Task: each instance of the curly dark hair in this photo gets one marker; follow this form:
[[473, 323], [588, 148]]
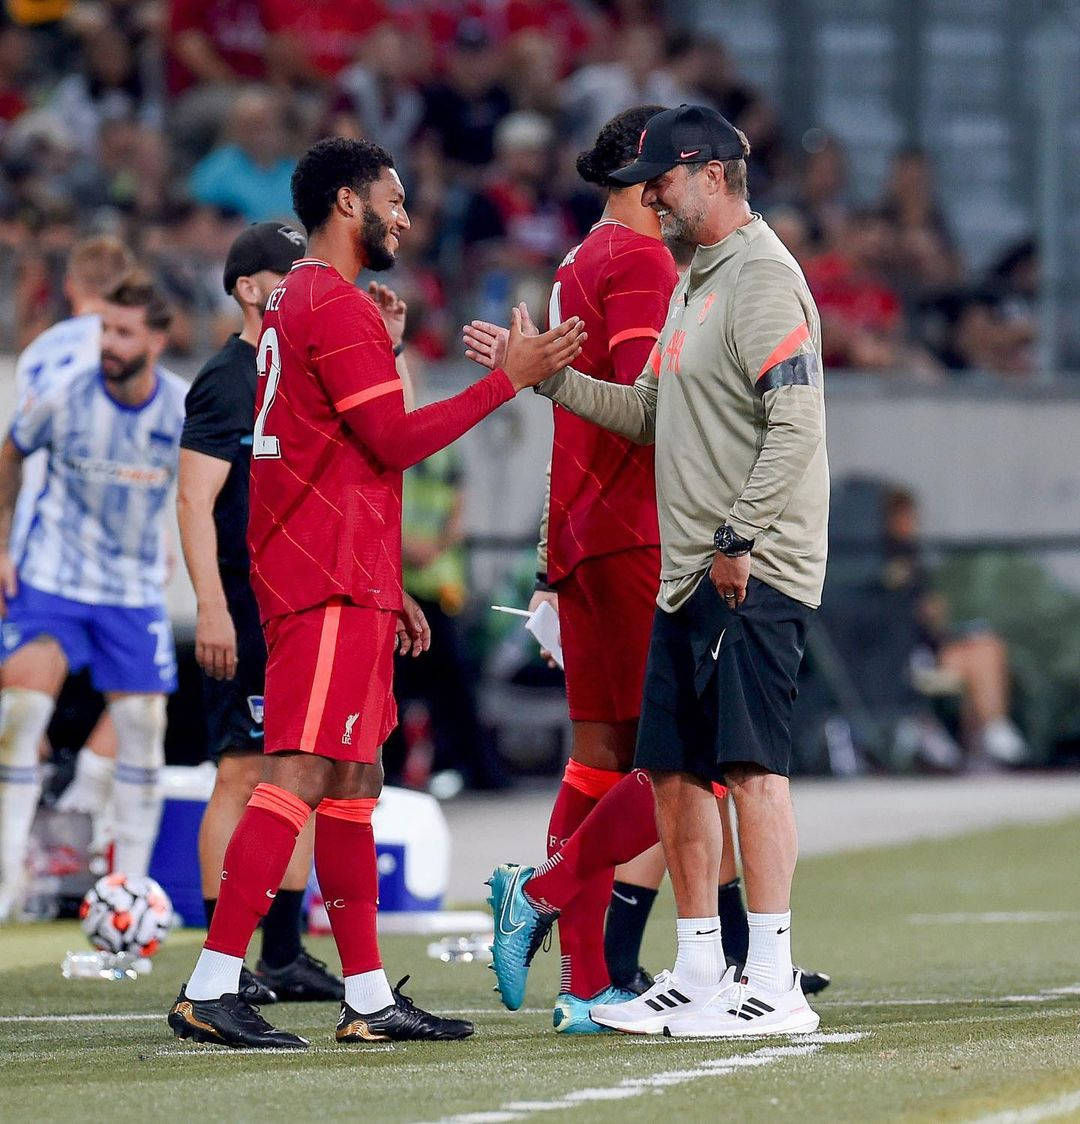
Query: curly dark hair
[[326, 167], [616, 145]]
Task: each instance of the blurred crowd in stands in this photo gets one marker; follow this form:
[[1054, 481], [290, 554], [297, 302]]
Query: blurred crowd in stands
[[175, 122]]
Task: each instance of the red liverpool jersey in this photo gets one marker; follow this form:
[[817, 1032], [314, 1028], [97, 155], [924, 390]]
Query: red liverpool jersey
[[603, 491], [330, 442]]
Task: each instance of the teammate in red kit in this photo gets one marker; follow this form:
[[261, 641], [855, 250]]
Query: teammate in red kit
[[330, 442], [600, 553]]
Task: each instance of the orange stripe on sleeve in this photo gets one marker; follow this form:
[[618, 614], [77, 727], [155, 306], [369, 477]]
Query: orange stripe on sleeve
[[324, 666], [786, 348], [357, 810], [362, 396], [632, 334], [654, 359]]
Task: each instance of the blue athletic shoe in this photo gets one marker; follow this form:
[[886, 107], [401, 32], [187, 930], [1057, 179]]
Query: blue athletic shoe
[[520, 929], [571, 1014]]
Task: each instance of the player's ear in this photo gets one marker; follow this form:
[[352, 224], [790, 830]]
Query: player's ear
[[347, 202]]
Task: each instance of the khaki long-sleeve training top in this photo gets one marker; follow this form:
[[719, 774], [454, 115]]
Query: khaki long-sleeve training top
[[733, 399]]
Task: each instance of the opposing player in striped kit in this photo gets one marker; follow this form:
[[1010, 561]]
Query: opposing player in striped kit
[[87, 587]]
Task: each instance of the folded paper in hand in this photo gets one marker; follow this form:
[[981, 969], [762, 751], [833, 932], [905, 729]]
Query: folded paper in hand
[[544, 625]]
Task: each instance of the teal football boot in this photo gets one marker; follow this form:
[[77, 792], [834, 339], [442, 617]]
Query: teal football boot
[[520, 929], [571, 1015]]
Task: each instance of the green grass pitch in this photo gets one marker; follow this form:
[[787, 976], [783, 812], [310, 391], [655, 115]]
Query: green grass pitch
[[935, 1013]]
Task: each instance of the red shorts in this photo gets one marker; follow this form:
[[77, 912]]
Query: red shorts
[[329, 681], [606, 608]]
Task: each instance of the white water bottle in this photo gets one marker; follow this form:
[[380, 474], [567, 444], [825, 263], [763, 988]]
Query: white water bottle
[[98, 965]]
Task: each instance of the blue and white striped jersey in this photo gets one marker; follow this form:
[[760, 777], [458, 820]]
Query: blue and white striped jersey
[[68, 348], [98, 530]]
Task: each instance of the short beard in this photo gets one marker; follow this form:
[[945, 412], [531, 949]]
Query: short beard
[[126, 370], [373, 236]]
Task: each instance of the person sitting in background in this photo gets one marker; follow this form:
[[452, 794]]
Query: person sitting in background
[[215, 41], [861, 315], [378, 92], [969, 329], [514, 220], [462, 109], [250, 171], [970, 662], [312, 41]]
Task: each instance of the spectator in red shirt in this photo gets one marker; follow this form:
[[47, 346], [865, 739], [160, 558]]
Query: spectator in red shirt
[[860, 314], [560, 21], [312, 41], [215, 41]]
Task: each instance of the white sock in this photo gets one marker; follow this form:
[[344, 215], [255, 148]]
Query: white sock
[[137, 799], [700, 959], [216, 974], [24, 717], [92, 784], [768, 959], [368, 992]]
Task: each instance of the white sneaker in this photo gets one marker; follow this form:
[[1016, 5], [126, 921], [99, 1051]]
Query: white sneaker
[[744, 1012], [647, 1013]]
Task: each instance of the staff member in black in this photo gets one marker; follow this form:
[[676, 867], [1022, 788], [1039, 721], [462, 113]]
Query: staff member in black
[[212, 506]]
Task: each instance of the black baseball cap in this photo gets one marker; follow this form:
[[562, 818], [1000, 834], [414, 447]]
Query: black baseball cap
[[263, 245], [690, 134]]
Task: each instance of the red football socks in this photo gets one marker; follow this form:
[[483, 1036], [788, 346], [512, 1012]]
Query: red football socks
[[620, 827], [255, 863], [581, 924], [349, 880]]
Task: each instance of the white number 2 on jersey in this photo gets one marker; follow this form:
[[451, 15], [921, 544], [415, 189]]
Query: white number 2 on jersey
[[268, 365], [555, 303]]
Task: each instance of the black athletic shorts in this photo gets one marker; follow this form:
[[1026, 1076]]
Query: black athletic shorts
[[234, 707], [720, 683]]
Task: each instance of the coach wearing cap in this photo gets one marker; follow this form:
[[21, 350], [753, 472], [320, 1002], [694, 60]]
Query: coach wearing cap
[[732, 398]]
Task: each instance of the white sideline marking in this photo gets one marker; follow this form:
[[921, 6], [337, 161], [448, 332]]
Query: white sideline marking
[[994, 918], [1060, 1106], [636, 1086], [830, 1037]]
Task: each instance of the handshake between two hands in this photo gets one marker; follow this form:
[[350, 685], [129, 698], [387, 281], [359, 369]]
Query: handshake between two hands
[[522, 351]]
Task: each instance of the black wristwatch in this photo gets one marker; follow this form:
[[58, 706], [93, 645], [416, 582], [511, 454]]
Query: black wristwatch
[[727, 542]]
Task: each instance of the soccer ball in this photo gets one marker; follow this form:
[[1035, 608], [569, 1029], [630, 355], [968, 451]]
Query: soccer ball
[[126, 914]]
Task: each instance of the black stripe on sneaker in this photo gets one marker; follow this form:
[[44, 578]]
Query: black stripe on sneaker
[[678, 995], [654, 1005], [668, 1002], [758, 1006]]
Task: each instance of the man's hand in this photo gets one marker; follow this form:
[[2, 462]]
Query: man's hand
[[485, 343], [730, 576], [552, 598], [215, 641], [531, 359], [9, 582], [413, 631], [392, 308]]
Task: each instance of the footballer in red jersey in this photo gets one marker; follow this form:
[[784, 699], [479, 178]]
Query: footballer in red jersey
[[331, 439]]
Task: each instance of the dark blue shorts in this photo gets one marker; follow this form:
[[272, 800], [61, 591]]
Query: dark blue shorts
[[720, 683], [125, 649], [234, 707]]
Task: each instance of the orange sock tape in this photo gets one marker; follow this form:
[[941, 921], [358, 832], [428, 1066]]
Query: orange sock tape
[[592, 782], [355, 811], [719, 790], [281, 803]]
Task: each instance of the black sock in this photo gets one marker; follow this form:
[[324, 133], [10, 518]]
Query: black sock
[[734, 930], [208, 905], [627, 914], [281, 929]]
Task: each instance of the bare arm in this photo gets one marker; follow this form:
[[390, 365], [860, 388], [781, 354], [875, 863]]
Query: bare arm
[[200, 480], [10, 480], [194, 49]]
